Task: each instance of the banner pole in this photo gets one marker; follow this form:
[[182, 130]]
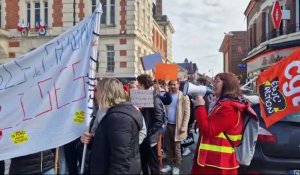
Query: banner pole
[[92, 73], [56, 161]]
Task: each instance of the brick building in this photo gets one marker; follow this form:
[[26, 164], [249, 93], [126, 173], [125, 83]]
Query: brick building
[[234, 49], [129, 30], [267, 45]]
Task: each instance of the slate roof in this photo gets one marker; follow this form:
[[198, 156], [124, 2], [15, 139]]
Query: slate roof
[[186, 66]]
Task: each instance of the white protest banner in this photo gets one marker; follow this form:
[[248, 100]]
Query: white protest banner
[[142, 98], [45, 93]]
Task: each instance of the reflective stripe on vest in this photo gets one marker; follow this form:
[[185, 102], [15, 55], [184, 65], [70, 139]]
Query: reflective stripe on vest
[[231, 137], [216, 148]]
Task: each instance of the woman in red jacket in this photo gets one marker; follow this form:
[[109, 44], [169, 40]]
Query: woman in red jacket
[[214, 154]]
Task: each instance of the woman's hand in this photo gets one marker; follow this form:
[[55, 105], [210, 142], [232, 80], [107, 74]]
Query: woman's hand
[[86, 137], [199, 101]]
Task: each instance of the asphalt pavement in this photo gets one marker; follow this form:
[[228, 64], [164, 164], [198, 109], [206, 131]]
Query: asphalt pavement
[[187, 161]]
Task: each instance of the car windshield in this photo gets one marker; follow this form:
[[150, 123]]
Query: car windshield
[[292, 118]]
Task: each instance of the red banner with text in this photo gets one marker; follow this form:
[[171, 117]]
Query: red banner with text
[[279, 89]]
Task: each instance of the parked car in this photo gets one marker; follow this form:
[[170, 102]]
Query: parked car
[[278, 147]]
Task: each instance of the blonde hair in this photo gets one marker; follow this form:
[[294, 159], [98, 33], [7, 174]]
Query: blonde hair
[[110, 92]]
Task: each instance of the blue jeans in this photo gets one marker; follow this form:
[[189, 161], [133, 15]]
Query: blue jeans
[[51, 171]]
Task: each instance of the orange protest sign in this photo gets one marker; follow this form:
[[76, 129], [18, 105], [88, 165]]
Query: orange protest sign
[[279, 89], [166, 71]]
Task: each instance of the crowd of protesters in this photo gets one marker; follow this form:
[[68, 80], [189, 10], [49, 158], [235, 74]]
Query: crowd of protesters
[[127, 139]]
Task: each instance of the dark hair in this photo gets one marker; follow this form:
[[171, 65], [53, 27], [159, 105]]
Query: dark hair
[[160, 82], [178, 81], [145, 80], [231, 86]]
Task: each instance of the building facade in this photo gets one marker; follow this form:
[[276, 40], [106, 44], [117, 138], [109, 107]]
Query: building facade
[[190, 70], [130, 29], [267, 45], [234, 49]]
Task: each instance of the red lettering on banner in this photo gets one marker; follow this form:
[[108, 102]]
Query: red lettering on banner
[[42, 93], [56, 92]]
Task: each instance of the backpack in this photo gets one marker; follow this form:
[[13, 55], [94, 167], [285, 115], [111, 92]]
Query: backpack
[[245, 150]]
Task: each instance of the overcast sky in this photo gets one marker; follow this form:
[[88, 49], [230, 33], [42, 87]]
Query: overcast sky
[[199, 29]]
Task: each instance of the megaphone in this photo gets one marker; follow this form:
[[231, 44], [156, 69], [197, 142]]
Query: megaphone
[[190, 88]]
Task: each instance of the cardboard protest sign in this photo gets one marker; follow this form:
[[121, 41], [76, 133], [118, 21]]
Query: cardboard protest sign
[[150, 61], [166, 72], [142, 98], [279, 89]]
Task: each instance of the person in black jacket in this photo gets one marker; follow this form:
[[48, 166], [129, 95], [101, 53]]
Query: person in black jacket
[[37, 163], [115, 144], [2, 167], [154, 123]]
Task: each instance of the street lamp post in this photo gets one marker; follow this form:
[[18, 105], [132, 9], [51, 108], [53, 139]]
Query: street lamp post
[[212, 73]]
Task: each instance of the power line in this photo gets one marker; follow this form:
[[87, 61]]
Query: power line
[[207, 56]]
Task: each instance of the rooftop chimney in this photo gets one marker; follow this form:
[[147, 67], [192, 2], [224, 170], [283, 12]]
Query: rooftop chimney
[[158, 7]]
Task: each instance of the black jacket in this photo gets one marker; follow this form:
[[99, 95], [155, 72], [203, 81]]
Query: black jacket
[[154, 119], [166, 98], [36, 163], [2, 167], [115, 148]]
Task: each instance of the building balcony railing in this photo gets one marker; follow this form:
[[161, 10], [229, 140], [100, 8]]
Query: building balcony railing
[[291, 28]]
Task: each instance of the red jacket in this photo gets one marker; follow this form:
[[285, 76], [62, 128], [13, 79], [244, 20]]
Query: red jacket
[[214, 149]]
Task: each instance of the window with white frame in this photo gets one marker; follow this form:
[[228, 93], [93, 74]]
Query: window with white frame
[[46, 12], [108, 12], [104, 11], [110, 58], [112, 12], [37, 12], [28, 16], [95, 3]]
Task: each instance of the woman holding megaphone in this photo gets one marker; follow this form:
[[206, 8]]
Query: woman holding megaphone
[[214, 153]]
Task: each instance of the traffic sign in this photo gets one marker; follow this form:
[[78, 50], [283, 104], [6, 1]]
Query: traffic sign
[[276, 15]]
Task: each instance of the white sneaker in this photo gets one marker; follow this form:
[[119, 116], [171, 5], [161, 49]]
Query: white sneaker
[[166, 169], [186, 151], [175, 171]]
